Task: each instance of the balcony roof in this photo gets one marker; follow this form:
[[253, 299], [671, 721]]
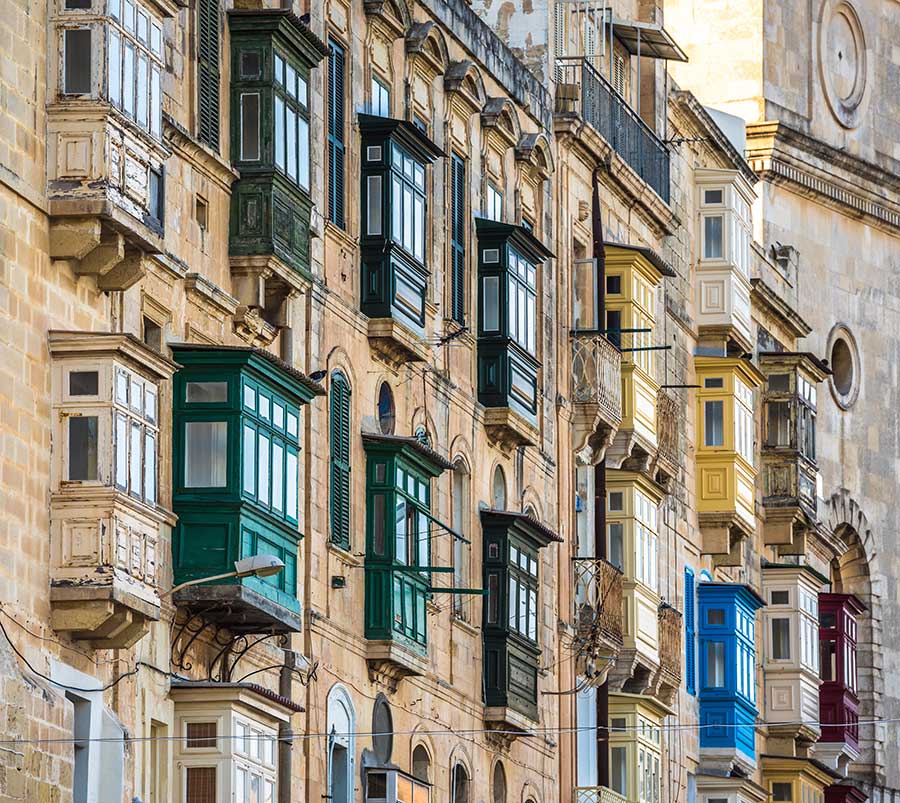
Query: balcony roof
[[531, 525], [253, 688], [649, 254], [413, 447], [647, 39], [404, 132]]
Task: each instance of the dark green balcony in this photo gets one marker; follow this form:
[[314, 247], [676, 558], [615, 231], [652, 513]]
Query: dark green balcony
[[399, 529], [512, 543], [236, 433], [393, 234], [272, 53], [508, 260]]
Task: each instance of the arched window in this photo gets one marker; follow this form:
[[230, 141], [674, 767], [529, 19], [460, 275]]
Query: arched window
[[341, 727], [421, 764], [498, 786], [339, 413], [498, 489], [459, 497], [459, 784], [386, 411]]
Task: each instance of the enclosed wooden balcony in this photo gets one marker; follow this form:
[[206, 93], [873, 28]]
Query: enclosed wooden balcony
[[596, 393]]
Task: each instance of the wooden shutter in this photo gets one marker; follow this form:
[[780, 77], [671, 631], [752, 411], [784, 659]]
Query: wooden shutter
[[690, 648], [458, 239], [336, 154], [340, 461], [208, 72], [200, 786]]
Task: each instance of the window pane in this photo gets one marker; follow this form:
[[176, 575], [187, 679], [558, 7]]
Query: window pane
[[828, 660], [121, 446], [155, 104], [378, 524], [84, 383], [778, 424], [303, 144], [250, 127], [205, 454], [83, 434], [781, 639], [512, 604], [249, 461], [143, 89], [134, 461], [715, 664], [712, 237], [713, 426], [78, 61], [616, 546], [150, 467], [373, 207], [277, 477], [396, 210], [263, 463], [206, 392], [491, 295], [419, 222], [291, 123], [290, 507], [128, 78], [279, 133], [619, 770], [114, 88]]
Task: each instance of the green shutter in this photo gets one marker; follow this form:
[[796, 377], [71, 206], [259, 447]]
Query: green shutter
[[208, 19], [340, 461], [336, 90], [458, 239]]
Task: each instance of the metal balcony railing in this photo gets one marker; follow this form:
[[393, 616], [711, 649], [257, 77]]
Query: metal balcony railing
[[598, 600], [596, 794], [667, 427], [609, 113], [597, 374], [670, 640]]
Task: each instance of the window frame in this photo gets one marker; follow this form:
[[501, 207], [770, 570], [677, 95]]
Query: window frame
[[291, 104]]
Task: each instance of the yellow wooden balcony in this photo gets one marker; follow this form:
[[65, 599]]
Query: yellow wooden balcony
[[726, 460]]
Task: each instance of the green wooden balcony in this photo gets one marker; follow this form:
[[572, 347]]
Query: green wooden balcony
[[236, 478]]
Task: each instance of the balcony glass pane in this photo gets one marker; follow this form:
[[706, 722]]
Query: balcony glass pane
[[713, 423], [205, 454], [491, 296], [303, 148], [778, 424], [249, 461], [250, 127], [715, 664], [781, 639], [77, 79], [373, 209], [83, 436], [290, 506], [150, 468], [206, 392], [712, 237], [279, 133], [135, 467], [277, 477], [128, 79], [264, 489], [618, 770], [143, 89], [114, 87], [121, 447]]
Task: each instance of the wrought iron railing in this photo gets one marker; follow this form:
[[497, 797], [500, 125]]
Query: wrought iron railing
[[609, 113], [598, 600], [670, 640], [597, 374], [597, 794], [667, 427]]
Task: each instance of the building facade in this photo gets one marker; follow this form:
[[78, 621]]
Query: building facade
[[445, 401]]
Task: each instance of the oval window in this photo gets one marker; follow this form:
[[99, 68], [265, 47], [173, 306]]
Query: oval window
[[386, 414]]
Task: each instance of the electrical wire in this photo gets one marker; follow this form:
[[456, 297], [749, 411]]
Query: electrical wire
[[451, 732]]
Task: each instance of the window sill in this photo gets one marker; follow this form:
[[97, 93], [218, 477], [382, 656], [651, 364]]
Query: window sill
[[466, 627], [346, 557]]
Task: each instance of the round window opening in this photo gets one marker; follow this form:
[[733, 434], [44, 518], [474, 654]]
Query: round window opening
[[844, 363], [386, 417], [842, 367]]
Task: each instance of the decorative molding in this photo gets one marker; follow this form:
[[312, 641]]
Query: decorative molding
[[199, 155], [203, 291], [766, 298], [830, 176]]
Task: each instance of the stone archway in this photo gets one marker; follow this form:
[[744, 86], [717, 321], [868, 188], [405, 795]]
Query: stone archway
[[853, 573]]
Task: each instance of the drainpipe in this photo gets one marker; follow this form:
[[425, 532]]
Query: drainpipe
[[599, 253], [285, 733]]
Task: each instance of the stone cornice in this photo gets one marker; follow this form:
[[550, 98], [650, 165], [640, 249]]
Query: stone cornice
[[860, 189], [199, 155], [574, 133], [766, 298], [206, 292], [702, 122]]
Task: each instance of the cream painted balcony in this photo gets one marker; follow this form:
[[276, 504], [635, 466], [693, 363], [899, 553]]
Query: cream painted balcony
[[105, 150], [108, 524]]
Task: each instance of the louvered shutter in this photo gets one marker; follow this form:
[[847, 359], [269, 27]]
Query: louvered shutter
[[340, 461], [690, 647], [458, 239], [208, 72], [336, 89]]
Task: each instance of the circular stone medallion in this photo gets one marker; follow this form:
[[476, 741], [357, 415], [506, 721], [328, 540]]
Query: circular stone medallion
[[843, 62]]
